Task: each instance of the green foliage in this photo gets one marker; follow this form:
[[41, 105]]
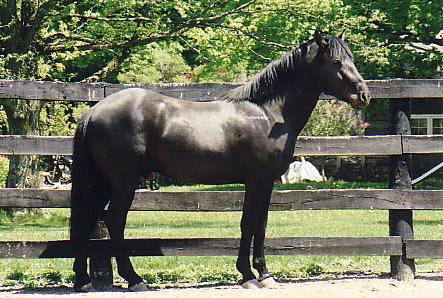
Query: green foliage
[[333, 118], [4, 168], [220, 40], [313, 269], [386, 31], [52, 276], [5, 216], [34, 280], [60, 119], [153, 64], [16, 275]]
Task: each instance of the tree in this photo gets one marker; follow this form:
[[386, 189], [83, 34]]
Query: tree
[[84, 40]]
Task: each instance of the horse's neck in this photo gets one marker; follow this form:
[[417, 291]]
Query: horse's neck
[[296, 106]]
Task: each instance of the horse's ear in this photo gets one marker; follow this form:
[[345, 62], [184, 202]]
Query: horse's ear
[[319, 40], [342, 35]]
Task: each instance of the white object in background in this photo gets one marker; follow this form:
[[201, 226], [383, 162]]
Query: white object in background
[[425, 175], [301, 170]]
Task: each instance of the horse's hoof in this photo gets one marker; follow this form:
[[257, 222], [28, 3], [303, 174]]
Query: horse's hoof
[[140, 287], [252, 284], [84, 288], [269, 283]]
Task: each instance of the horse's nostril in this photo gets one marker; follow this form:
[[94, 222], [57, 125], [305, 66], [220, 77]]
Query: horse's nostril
[[364, 97]]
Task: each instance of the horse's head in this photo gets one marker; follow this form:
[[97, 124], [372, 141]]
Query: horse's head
[[336, 73]]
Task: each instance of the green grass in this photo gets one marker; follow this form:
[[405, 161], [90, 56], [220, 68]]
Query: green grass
[[170, 271], [430, 184], [339, 184]]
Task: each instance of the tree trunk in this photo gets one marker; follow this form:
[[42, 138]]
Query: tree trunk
[[23, 119]]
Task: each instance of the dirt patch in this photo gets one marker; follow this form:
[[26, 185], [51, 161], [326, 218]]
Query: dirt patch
[[428, 285]]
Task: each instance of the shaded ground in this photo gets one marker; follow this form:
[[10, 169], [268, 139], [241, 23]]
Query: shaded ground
[[427, 285]]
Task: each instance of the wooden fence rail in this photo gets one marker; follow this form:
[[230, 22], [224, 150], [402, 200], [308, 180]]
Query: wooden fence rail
[[342, 246], [323, 199], [416, 89], [399, 201], [306, 146]]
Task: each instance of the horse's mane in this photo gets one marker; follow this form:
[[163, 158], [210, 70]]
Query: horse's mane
[[271, 81]]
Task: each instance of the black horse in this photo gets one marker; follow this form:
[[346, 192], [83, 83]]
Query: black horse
[[247, 137]]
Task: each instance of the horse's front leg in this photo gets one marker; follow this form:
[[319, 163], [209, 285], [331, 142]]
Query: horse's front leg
[[258, 260], [256, 194]]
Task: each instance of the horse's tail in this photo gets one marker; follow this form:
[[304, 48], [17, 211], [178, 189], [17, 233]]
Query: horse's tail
[[83, 176]]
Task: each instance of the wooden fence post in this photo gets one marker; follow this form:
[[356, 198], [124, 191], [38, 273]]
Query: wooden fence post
[[101, 268], [400, 221]]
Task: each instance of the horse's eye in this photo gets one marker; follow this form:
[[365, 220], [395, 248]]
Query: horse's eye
[[338, 63]]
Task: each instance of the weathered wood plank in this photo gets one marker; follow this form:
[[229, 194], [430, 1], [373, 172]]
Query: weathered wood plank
[[406, 88], [349, 145], [306, 146], [398, 88], [419, 249], [35, 198], [51, 90], [38, 145], [340, 199], [341, 246], [191, 92], [422, 144]]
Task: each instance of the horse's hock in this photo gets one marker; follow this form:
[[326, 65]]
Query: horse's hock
[[401, 200]]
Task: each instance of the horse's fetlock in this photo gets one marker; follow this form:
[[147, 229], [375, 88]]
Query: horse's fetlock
[[258, 263]]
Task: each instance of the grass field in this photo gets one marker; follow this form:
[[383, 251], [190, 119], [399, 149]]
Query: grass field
[[53, 224]]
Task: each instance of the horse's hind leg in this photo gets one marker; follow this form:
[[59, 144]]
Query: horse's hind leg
[[91, 210], [121, 199]]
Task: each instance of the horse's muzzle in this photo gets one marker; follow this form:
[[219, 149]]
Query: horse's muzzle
[[361, 98], [364, 97]]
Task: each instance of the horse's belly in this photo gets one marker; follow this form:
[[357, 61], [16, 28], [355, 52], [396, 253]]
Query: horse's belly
[[191, 164], [201, 171]]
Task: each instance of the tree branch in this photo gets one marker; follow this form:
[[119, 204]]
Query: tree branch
[[103, 73], [109, 46], [245, 32], [404, 35], [259, 55], [193, 48], [110, 19], [208, 19]]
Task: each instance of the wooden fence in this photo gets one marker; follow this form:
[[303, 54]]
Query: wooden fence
[[400, 202]]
